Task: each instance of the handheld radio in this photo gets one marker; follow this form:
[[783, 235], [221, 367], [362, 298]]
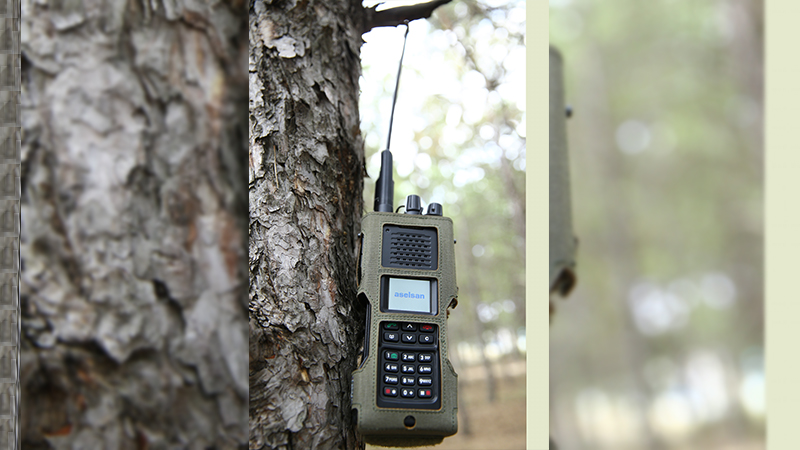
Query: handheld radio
[[405, 390]]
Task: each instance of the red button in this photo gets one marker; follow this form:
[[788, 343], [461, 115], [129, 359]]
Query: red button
[[427, 328]]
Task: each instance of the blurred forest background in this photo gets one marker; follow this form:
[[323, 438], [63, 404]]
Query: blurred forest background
[[661, 345], [459, 139]]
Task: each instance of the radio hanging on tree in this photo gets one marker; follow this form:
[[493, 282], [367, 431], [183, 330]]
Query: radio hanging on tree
[[405, 389]]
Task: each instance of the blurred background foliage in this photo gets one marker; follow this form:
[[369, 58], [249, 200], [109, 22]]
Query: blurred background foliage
[[661, 344], [459, 139]]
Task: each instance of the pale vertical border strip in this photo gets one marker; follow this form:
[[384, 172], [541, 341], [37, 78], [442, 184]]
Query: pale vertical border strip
[[536, 194], [782, 237]]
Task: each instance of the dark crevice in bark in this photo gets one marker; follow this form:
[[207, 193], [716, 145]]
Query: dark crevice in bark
[[173, 306]]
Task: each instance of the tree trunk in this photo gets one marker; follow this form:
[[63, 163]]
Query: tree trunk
[[306, 182], [133, 277]]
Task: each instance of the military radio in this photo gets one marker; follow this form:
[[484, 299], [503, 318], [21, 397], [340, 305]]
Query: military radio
[[405, 389]]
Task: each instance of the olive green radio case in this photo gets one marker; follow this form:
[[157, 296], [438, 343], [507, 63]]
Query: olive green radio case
[[405, 254]]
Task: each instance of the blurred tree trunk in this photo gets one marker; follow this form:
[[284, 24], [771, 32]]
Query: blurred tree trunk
[[746, 260], [476, 298], [619, 242], [133, 278], [306, 182]]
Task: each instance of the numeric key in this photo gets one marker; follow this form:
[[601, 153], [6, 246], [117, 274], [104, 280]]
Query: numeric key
[[390, 391]]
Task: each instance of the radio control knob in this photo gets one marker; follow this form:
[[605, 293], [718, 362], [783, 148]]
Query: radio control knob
[[434, 209], [413, 205]]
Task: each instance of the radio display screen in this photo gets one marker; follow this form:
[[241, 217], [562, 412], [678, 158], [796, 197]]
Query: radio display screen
[[409, 295]]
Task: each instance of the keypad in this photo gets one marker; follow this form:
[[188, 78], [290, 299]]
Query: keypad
[[409, 359]]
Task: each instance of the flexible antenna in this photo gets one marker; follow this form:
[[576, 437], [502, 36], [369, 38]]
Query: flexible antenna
[[397, 87], [384, 187]]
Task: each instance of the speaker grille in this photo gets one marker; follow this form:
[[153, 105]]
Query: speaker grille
[[409, 248]]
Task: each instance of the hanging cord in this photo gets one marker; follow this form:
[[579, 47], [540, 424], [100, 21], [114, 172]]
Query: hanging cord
[[397, 86]]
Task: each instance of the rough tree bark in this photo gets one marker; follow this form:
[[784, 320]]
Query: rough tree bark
[[133, 278], [306, 181]]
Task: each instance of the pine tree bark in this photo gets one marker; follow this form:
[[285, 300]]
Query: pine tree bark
[[133, 242], [306, 182]]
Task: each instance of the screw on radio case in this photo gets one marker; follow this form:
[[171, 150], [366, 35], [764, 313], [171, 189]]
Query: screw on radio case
[[405, 390]]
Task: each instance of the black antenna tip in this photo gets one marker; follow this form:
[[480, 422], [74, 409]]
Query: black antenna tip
[[384, 187]]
